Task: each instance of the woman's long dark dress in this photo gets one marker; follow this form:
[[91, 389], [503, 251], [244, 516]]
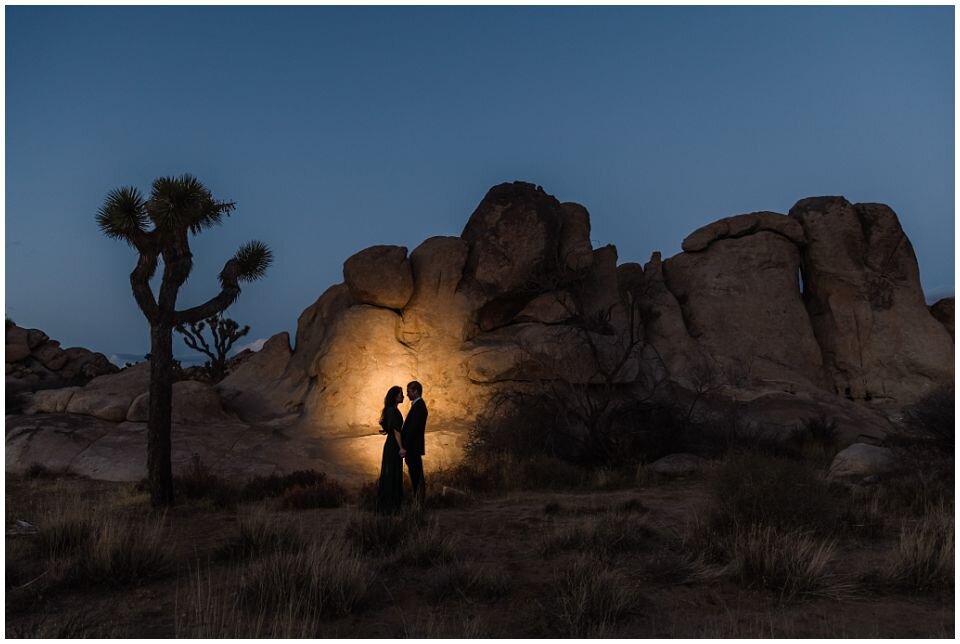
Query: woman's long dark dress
[[390, 488]]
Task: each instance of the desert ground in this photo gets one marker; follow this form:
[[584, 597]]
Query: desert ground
[[751, 544]]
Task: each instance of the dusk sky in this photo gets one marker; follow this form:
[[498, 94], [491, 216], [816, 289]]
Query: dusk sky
[[335, 129]]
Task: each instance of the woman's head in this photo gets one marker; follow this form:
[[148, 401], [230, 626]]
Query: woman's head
[[394, 397]]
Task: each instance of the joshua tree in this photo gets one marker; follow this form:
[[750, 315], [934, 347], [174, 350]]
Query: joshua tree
[[225, 333], [159, 228]]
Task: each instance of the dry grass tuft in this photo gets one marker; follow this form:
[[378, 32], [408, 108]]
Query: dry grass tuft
[[259, 533], [605, 535], [325, 579], [924, 559], [468, 580], [788, 563], [79, 542], [591, 598]]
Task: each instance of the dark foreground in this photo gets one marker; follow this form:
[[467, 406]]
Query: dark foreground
[[616, 558]]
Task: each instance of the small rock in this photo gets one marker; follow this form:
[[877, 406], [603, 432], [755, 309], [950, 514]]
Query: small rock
[[860, 461], [676, 464]]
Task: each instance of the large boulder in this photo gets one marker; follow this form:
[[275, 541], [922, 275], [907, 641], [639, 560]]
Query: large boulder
[[434, 325], [380, 276], [860, 462], [193, 402], [598, 292], [514, 237], [576, 250], [862, 290], [259, 389], [738, 287], [109, 397], [359, 361]]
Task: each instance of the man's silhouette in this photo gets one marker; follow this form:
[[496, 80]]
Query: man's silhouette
[[412, 436]]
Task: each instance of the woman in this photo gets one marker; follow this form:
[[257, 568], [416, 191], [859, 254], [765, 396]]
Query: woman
[[390, 487]]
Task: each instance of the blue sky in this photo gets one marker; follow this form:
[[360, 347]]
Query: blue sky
[[335, 129]]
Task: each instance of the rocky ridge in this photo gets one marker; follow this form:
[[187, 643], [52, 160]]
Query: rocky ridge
[[789, 314]]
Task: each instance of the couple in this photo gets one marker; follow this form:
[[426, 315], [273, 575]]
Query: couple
[[404, 441]]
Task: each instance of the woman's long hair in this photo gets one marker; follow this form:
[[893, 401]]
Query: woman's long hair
[[389, 401]]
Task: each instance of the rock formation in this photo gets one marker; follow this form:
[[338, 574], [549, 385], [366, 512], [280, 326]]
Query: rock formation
[[34, 361], [862, 291], [788, 315]]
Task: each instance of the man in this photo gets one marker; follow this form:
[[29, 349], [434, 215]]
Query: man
[[412, 437]]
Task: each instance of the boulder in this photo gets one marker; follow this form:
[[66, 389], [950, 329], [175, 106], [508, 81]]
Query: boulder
[[598, 293], [18, 347], [514, 238], [109, 397], [663, 324], [861, 461], [313, 326], [259, 389], [576, 250], [193, 402], [741, 226], [51, 355], [434, 325], [550, 308], [359, 361], [51, 401], [437, 309], [380, 276], [676, 465], [740, 297], [942, 311], [862, 291]]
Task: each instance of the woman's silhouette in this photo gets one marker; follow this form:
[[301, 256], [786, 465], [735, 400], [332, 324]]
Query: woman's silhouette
[[390, 487]]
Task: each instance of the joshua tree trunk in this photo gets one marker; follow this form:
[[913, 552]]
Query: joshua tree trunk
[[178, 206], [159, 466]]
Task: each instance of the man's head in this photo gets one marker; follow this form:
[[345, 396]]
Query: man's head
[[414, 390]]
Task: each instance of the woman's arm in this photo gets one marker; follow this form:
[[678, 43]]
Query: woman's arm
[[397, 426]]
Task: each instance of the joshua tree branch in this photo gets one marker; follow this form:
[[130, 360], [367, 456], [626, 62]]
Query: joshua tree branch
[[193, 338], [228, 294]]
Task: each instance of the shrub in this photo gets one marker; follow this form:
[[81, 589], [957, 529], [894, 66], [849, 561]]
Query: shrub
[[591, 598], [38, 471], [929, 423], [259, 488], [381, 535], [199, 482], [924, 559], [324, 494], [754, 489]]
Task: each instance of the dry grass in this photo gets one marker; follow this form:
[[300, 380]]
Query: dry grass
[[258, 533], [326, 579], [430, 625], [606, 535], [787, 563], [378, 535], [592, 598], [468, 581], [924, 559], [78, 542]]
